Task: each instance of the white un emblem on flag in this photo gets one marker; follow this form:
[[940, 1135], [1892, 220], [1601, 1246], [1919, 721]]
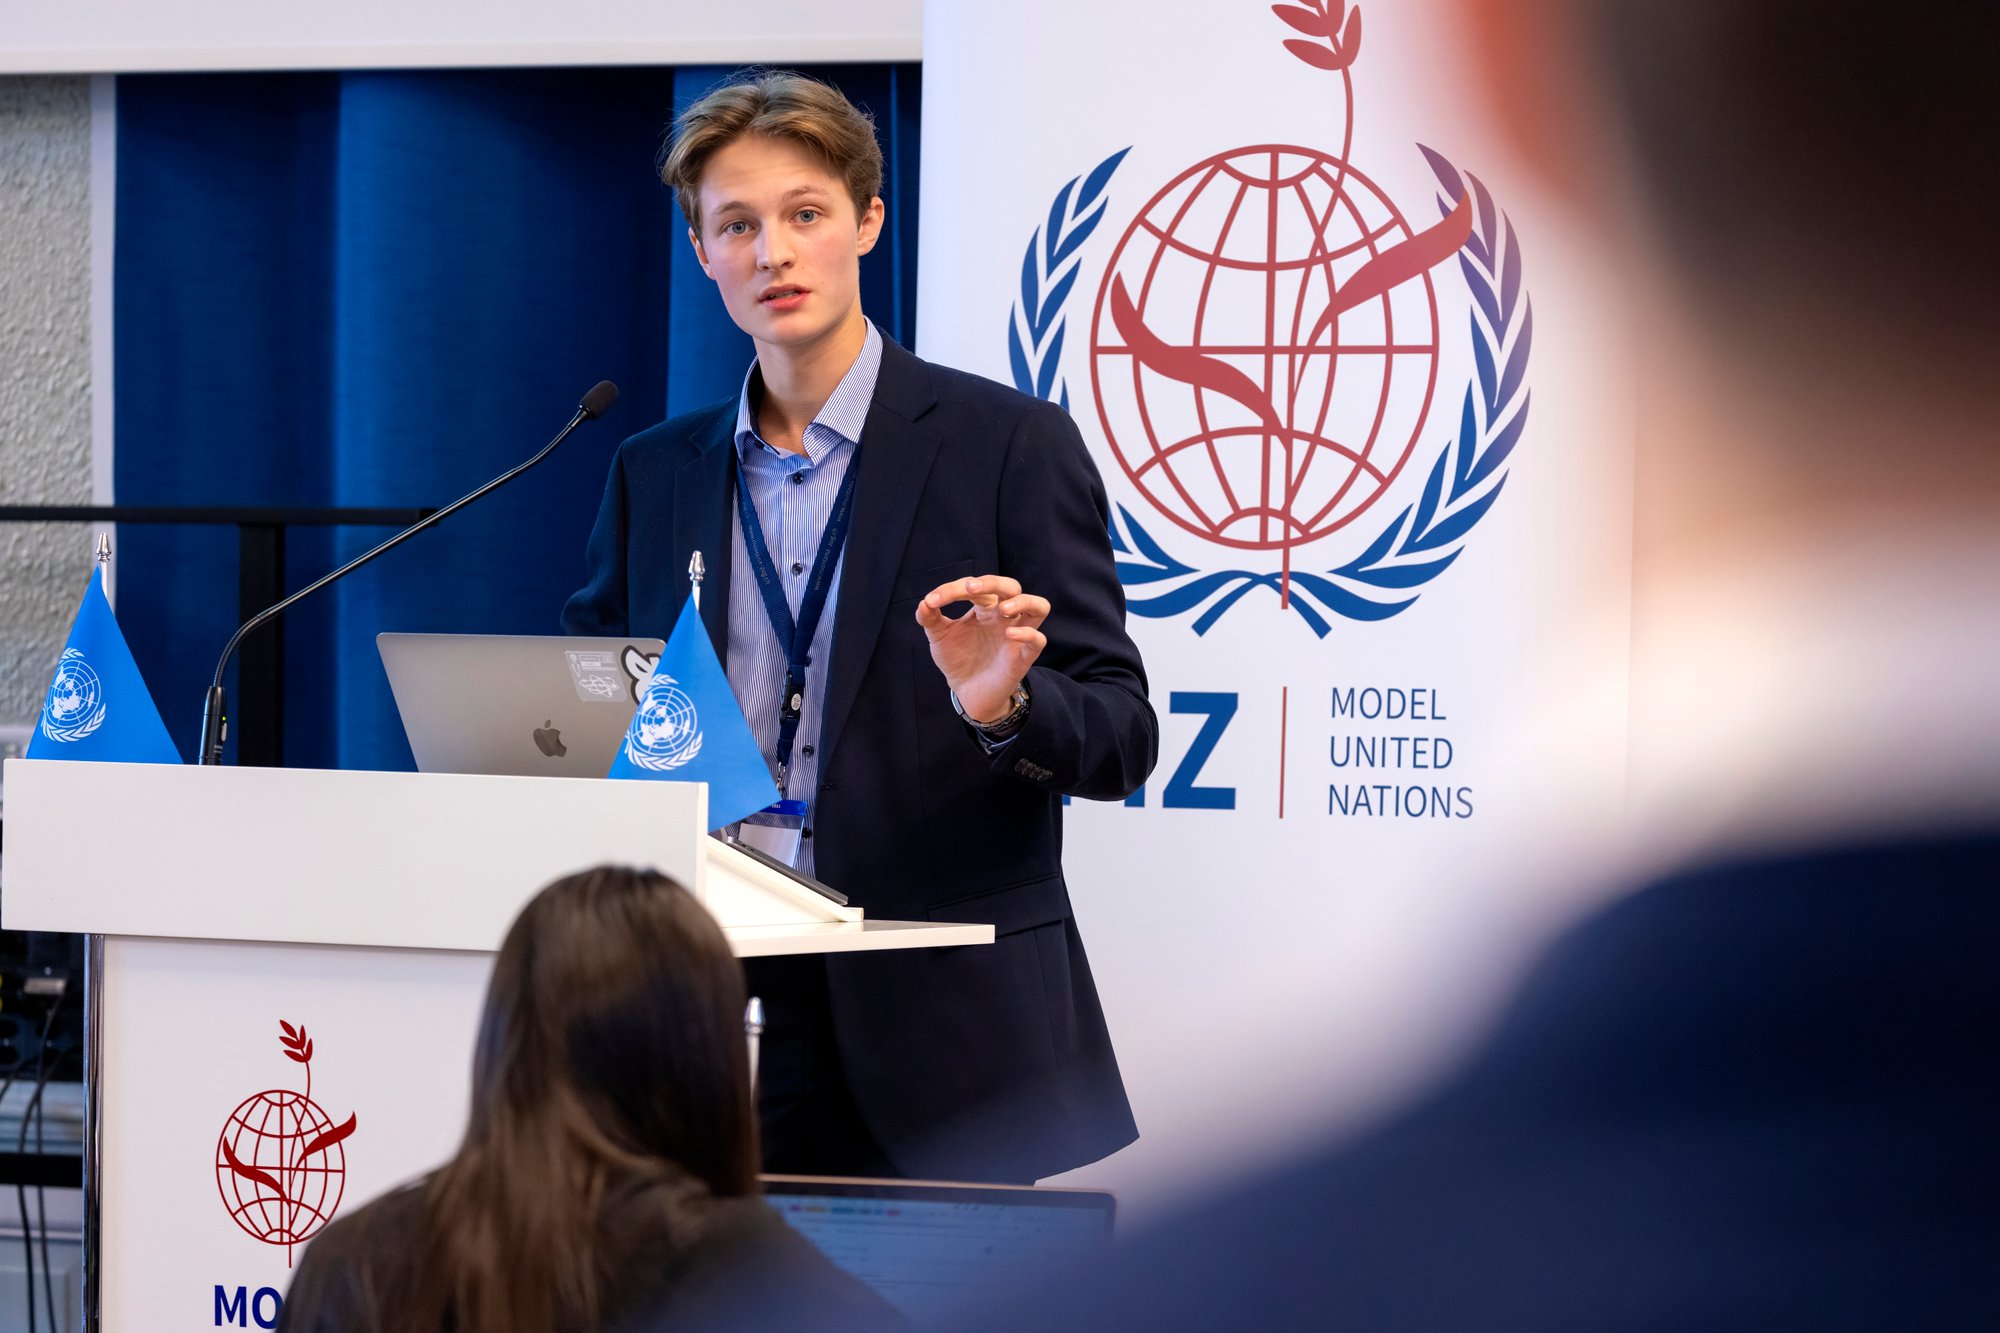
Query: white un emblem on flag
[[75, 706], [667, 733]]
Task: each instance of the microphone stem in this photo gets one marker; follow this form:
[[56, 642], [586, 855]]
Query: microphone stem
[[214, 711]]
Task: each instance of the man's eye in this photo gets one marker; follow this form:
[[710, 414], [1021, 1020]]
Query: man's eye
[[736, 228], [808, 214]]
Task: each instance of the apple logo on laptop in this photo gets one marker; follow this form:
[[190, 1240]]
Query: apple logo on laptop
[[548, 739]]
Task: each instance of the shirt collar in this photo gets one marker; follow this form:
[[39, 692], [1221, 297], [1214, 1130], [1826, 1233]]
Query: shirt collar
[[840, 419]]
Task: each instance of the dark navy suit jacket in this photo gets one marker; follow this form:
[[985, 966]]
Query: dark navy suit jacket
[[985, 1061], [1759, 1096]]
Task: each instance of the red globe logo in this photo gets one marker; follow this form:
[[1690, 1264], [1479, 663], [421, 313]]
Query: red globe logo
[[1264, 347], [280, 1163]]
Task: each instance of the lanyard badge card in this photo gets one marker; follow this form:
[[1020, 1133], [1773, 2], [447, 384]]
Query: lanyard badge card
[[778, 829]]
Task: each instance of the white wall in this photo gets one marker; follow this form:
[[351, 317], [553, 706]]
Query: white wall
[[132, 35], [45, 373]]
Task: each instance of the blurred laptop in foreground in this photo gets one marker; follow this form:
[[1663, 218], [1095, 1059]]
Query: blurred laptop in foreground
[[932, 1250]]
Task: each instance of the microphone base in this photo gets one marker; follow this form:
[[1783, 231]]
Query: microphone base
[[214, 725]]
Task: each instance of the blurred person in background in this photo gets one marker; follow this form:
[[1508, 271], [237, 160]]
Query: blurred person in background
[[1761, 1091], [610, 1162]]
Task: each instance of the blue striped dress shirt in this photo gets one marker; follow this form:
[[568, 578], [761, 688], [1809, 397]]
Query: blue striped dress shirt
[[793, 495]]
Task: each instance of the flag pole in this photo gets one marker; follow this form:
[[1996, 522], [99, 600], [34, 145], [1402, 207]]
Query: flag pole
[[93, 1076], [697, 571]]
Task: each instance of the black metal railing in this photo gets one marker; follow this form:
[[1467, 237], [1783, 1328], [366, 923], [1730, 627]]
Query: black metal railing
[[260, 582]]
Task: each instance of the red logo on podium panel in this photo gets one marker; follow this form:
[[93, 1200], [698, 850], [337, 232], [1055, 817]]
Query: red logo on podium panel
[[280, 1161]]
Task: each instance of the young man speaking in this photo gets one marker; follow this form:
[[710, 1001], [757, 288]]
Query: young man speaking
[[848, 501]]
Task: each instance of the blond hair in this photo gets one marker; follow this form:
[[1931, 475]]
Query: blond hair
[[780, 105]]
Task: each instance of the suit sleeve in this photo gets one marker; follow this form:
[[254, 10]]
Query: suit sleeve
[[1090, 731], [600, 607]]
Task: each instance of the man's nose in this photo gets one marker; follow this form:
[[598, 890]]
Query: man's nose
[[774, 251]]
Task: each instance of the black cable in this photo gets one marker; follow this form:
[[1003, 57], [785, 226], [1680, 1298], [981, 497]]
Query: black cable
[[42, 1077], [42, 1189], [7, 1086], [20, 1189]]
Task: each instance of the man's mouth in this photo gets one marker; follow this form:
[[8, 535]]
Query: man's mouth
[[779, 294]]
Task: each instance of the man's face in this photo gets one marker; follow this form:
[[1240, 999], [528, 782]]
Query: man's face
[[780, 237]]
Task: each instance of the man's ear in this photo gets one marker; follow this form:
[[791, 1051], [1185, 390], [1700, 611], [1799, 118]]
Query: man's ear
[[700, 254], [871, 226]]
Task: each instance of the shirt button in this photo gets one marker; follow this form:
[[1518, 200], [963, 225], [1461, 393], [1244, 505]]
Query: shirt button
[[807, 751], [798, 478], [807, 833], [798, 568]]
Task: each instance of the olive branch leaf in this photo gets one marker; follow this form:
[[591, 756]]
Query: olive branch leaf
[[327, 1138], [1423, 540], [256, 1173], [1339, 32], [1048, 272]]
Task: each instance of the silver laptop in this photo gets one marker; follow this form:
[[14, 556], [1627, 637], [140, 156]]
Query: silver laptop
[[529, 705]]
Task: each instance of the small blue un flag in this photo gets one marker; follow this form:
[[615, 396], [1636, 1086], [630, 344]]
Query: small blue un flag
[[97, 706], [690, 729]]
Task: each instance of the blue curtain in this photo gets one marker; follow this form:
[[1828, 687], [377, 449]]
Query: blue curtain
[[379, 289]]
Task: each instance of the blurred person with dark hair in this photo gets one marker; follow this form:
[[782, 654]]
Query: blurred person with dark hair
[[1762, 1091], [610, 1162]]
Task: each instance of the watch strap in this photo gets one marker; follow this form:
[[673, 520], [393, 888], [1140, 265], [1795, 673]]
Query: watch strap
[[1002, 728]]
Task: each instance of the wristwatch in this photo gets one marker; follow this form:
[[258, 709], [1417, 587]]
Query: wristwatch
[[1004, 728]]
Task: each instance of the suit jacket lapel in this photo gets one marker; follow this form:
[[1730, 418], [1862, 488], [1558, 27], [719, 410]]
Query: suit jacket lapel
[[895, 457], [704, 493]]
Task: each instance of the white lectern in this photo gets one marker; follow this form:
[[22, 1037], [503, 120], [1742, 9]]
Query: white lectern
[[285, 973]]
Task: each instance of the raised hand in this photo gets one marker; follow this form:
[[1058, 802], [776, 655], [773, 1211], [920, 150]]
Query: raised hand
[[985, 652]]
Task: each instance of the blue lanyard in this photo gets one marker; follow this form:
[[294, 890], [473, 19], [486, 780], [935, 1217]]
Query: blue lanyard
[[795, 638]]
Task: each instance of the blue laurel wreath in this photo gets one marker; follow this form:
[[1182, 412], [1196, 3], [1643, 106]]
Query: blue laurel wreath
[[1418, 544], [1048, 271]]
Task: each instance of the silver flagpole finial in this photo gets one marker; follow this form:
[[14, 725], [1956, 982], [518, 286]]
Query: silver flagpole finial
[[753, 1032], [697, 571], [103, 548]]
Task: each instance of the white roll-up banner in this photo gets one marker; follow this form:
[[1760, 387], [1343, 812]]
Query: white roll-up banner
[[1368, 454]]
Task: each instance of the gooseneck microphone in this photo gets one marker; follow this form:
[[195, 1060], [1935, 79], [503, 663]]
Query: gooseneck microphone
[[213, 714]]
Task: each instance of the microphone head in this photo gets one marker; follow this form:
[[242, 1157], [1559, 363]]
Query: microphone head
[[600, 398]]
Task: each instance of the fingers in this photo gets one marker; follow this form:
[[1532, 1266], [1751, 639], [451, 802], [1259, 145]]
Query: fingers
[[1027, 609], [958, 590], [982, 590], [1027, 645], [987, 592], [932, 618], [991, 589]]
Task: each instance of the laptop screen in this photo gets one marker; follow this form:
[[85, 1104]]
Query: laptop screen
[[931, 1249]]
